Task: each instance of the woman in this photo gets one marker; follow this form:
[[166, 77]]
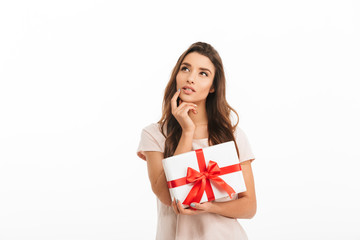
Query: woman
[[196, 115]]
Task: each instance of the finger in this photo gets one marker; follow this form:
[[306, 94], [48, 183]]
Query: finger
[[184, 105], [176, 207], [195, 205], [182, 210], [201, 207], [177, 202], [173, 100], [173, 204], [189, 211], [186, 109]]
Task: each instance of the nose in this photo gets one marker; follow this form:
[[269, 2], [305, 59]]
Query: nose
[[191, 78]]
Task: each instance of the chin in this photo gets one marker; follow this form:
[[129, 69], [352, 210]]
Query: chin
[[191, 99], [186, 98]]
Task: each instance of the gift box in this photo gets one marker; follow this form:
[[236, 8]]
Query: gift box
[[204, 174]]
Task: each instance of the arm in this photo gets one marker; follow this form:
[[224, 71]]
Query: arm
[[157, 176], [244, 207], [156, 172], [154, 159]]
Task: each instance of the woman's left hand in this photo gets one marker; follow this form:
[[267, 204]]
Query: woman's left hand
[[200, 208]]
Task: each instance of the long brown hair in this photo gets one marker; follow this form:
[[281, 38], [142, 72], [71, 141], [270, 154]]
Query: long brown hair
[[218, 110]]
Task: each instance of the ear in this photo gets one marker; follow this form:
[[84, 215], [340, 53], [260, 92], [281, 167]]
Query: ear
[[212, 89]]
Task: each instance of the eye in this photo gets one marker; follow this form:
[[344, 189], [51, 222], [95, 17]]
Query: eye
[[184, 69], [204, 74]]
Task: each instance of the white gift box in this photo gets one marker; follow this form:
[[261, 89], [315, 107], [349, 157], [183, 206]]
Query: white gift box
[[225, 155]]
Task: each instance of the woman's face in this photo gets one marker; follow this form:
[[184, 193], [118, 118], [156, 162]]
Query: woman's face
[[195, 78]]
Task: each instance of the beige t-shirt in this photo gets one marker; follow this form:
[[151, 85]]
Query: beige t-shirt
[[205, 226]]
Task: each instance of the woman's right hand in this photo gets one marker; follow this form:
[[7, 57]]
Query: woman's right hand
[[181, 113]]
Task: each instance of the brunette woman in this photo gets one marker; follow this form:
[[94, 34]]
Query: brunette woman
[[195, 114]]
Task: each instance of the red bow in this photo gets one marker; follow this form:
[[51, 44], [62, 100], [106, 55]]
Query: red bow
[[202, 183]]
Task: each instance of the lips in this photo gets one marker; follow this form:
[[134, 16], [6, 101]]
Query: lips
[[189, 89]]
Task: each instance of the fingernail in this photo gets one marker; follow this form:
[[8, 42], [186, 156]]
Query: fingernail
[[192, 204], [179, 90]]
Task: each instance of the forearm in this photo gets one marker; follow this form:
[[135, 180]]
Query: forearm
[[161, 189], [157, 174], [185, 143], [244, 207]]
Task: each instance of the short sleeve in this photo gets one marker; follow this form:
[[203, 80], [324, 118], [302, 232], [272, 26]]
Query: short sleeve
[[151, 140], [244, 146]]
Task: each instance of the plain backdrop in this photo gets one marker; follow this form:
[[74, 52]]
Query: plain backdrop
[[80, 79]]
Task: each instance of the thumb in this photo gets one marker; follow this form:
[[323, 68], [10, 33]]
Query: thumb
[[195, 205]]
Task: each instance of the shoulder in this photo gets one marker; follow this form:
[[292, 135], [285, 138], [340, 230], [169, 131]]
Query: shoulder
[[151, 139], [152, 132], [239, 132], [154, 129], [243, 144]]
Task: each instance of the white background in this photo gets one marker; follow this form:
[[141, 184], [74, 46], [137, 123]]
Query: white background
[[80, 79]]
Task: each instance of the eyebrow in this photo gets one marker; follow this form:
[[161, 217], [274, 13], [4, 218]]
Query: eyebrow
[[188, 64]]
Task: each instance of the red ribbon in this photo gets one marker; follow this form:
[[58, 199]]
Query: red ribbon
[[202, 179]]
